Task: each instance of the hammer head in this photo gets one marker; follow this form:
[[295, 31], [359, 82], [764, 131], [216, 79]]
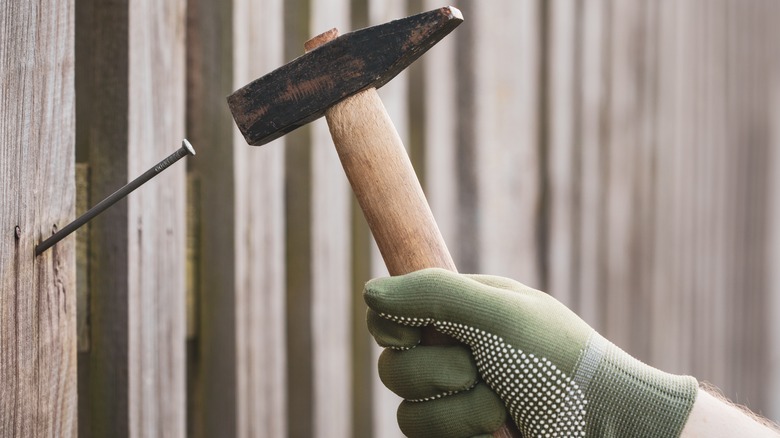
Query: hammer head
[[303, 89]]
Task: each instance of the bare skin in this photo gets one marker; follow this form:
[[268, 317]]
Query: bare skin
[[714, 417]]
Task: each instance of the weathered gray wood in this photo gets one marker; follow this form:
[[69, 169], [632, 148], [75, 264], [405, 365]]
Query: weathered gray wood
[[156, 312], [37, 193], [259, 234], [439, 88], [668, 182], [298, 244], [588, 155], [562, 43], [622, 143], [773, 253], [212, 357], [364, 373], [331, 263], [135, 370], [506, 87]]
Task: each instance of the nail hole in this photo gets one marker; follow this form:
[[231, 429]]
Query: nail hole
[[54, 228], [17, 232]]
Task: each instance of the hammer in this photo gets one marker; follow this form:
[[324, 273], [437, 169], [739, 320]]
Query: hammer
[[338, 78]]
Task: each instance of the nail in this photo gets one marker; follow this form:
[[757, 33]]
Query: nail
[[185, 149]]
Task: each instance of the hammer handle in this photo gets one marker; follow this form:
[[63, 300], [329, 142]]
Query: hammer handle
[[390, 195], [384, 182]]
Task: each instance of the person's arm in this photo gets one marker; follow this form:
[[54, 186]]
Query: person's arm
[[712, 416]]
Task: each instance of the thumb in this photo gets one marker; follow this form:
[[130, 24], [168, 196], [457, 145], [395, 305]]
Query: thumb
[[430, 295]]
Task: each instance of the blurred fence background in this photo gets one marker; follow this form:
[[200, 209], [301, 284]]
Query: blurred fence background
[[622, 155]]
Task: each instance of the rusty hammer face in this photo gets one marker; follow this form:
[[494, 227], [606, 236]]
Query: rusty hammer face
[[339, 79]]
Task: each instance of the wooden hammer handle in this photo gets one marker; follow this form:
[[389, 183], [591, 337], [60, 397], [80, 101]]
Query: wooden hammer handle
[[388, 191], [382, 177]]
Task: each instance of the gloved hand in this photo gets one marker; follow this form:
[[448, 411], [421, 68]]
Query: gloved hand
[[554, 374]]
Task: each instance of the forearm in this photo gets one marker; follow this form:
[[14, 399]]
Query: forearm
[[713, 417]]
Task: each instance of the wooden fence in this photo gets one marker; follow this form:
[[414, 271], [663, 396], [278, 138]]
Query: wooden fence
[[622, 155]]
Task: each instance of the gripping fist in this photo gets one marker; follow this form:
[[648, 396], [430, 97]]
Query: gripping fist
[[523, 353]]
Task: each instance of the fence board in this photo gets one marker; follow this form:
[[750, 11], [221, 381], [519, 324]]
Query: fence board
[[587, 159], [563, 196], [506, 118], [135, 367], [213, 285], [440, 106], [156, 305], [259, 236], [773, 249], [331, 261], [298, 217], [37, 192], [238, 361]]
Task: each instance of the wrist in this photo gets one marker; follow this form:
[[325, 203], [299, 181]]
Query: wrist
[[627, 397], [713, 416]]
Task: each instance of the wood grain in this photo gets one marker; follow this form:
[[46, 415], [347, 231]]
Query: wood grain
[[37, 194], [331, 265], [259, 235], [668, 144], [134, 374], [507, 163], [387, 189], [212, 352]]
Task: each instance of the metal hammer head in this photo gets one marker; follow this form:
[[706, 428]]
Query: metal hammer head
[[302, 90]]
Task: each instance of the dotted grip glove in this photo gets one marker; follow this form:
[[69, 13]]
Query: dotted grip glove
[[525, 353]]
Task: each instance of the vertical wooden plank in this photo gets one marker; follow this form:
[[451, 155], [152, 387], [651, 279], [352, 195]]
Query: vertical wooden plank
[[364, 371], [439, 140], [103, 372], [561, 129], [298, 254], [259, 237], [467, 144], [37, 192], [709, 357], [621, 143], [506, 118], [773, 249], [156, 308], [212, 351], [642, 198], [588, 156], [134, 372], [749, 139], [331, 262]]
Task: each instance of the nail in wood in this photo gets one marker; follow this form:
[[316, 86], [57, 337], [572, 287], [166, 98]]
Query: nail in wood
[[186, 149]]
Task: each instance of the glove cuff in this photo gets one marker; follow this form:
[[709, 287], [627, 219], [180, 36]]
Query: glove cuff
[[634, 399]]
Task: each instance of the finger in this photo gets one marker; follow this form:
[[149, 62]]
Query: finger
[[467, 414], [427, 373], [439, 295], [390, 334]]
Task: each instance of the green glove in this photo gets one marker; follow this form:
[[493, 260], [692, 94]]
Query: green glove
[[555, 375]]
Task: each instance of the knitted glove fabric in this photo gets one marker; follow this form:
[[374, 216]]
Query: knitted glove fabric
[[554, 374]]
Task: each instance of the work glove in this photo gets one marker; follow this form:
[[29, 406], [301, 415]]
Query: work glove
[[523, 352]]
